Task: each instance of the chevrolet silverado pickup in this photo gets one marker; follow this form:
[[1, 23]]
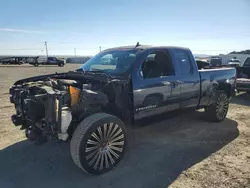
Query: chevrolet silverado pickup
[[93, 105]]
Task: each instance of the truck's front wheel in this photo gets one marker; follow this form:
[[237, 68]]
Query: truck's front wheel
[[98, 143], [218, 110]]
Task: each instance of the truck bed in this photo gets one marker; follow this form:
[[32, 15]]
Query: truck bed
[[211, 77], [243, 84]]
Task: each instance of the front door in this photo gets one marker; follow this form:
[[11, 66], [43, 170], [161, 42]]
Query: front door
[[52, 61], [155, 88]]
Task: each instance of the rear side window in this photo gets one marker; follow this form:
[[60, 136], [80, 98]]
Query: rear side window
[[183, 61], [157, 64]]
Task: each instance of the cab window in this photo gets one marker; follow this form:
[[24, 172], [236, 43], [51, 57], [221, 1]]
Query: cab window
[[183, 61], [157, 64]]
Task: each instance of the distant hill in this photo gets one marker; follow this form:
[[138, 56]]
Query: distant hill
[[241, 52], [201, 55]]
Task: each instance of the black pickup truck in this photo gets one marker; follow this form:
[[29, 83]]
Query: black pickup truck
[[48, 61], [93, 106], [243, 76]]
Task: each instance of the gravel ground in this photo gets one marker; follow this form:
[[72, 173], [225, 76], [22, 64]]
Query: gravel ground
[[178, 150]]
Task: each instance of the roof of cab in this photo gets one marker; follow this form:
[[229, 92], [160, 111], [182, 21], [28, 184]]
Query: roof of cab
[[145, 47]]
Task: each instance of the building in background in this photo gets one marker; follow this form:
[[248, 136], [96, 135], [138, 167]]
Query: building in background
[[80, 60], [225, 58]]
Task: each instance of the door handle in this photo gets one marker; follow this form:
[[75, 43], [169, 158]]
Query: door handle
[[173, 84], [179, 82], [166, 83], [176, 83]]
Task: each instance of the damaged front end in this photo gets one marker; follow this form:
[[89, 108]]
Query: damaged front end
[[49, 107], [42, 109]]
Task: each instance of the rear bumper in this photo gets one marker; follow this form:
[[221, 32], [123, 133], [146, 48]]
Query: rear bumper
[[243, 86], [243, 89]]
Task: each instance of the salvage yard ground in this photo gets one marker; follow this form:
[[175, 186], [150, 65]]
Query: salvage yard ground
[[181, 150]]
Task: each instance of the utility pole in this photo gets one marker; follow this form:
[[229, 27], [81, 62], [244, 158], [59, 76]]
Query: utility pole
[[100, 48], [75, 52], [46, 48]]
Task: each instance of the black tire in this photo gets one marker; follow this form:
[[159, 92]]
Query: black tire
[[218, 111], [36, 64], [61, 65], [98, 143]]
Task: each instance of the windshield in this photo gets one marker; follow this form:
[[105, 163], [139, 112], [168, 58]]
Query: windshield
[[111, 61]]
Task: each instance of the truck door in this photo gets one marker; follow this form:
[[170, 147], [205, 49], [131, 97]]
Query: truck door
[[52, 61], [188, 77], [155, 88]]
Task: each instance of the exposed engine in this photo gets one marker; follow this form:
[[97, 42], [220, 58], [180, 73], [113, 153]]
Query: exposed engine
[[48, 108]]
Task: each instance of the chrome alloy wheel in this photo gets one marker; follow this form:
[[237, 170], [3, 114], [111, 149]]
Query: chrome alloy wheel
[[104, 147], [222, 106]]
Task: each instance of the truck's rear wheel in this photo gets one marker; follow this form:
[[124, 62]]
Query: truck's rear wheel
[[218, 110], [98, 143]]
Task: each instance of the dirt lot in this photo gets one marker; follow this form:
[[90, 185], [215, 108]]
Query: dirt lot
[[181, 150]]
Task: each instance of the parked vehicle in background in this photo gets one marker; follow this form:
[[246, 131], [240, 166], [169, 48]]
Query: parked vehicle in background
[[31, 60], [202, 64], [243, 76], [216, 61], [234, 62], [12, 61], [93, 105], [48, 61], [78, 59]]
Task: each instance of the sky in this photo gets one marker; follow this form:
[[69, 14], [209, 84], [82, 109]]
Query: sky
[[82, 26]]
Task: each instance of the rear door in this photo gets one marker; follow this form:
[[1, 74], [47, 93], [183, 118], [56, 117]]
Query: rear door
[[154, 85], [188, 77]]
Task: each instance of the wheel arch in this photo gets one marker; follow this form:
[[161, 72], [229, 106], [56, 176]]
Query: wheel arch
[[226, 87]]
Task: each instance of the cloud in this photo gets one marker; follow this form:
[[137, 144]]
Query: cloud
[[20, 31]]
